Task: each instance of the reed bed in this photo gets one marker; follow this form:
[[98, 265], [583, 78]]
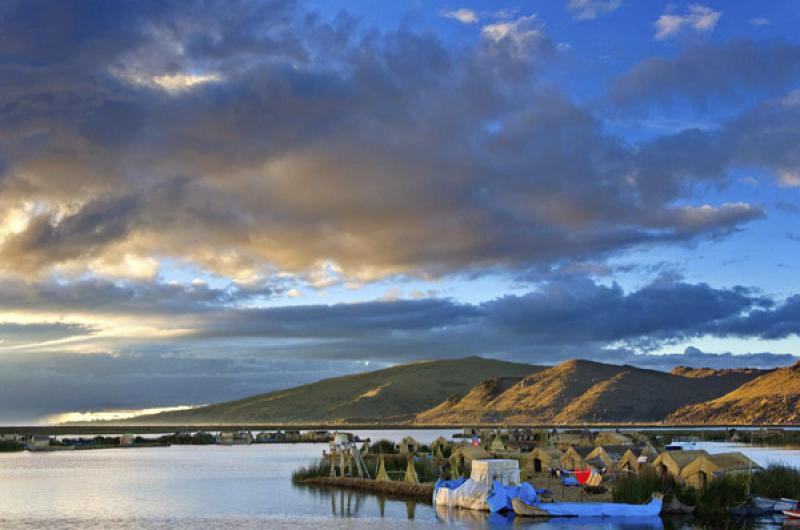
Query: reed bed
[[394, 489]]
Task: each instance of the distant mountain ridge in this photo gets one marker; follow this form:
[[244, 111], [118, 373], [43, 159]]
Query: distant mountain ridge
[[582, 391], [393, 394], [475, 390]]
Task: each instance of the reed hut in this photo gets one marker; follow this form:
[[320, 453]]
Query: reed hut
[[635, 457], [611, 438], [541, 459], [609, 455], [706, 468], [575, 457], [463, 455], [673, 462]]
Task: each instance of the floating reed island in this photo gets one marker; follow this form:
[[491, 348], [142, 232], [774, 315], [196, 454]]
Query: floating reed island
[[569, 466]]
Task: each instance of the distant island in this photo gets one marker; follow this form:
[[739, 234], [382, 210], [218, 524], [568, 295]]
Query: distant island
[[476, 390]]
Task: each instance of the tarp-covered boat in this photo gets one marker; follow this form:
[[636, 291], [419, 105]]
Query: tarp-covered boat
[[587, 509]]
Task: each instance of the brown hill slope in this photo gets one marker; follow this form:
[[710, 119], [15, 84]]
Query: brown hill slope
[[393, 394], [584, 391], [472, 407], [771, 398]]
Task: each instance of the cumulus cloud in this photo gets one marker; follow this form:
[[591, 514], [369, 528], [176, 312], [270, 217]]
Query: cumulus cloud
[[316, 147], [591, 9], [698, 18], [463, 15]]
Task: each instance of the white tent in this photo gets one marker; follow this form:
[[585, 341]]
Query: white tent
[[473, 493]]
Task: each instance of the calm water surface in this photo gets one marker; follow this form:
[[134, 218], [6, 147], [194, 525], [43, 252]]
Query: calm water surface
[[238, 487]]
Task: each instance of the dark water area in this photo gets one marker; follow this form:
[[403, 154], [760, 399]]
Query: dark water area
[[239, 487]]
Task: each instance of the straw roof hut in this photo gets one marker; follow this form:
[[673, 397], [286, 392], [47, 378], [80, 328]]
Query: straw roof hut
[[408, 446], [463, 455], [574, 457], [608, 455], [543, 458], [708, 467], [633, 458], [563, 440], [612, 438], [673, 462]]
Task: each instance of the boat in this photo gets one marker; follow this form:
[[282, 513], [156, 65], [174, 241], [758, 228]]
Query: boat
[[784, 505], [793, 514], [763, 504], [588, 509]]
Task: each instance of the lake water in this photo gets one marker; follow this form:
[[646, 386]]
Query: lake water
[[238, 487]]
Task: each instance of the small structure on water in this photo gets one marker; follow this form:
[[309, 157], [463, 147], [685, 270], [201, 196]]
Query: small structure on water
[[672, 462], [706, 468], [541, 460]]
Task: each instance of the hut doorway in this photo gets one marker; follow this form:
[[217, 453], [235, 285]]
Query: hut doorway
[[663, 471], [702, 479], [537, 465]]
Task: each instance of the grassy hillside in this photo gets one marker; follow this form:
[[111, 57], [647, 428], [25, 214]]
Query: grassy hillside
[[584, 391], [771, 398], [392, 394]]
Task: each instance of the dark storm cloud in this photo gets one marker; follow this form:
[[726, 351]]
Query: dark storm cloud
[[703, 74], [776, 322], [261, 137], [581, 311]]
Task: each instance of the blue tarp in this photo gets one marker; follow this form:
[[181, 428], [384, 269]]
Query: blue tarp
[[601, 509], [570, 481], [448, 484], [500, 497]]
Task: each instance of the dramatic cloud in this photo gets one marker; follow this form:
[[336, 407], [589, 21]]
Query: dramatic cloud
[[698, 18], [270, 141]]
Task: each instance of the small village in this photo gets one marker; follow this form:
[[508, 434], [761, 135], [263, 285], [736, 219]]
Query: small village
[[562, 466]]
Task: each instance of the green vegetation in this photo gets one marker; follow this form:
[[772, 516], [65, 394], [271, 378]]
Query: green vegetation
[[777, 481], [427, 468], [718, 497], [637, 489]]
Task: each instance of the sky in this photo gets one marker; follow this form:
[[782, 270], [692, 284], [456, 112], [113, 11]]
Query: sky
[[204, 200]]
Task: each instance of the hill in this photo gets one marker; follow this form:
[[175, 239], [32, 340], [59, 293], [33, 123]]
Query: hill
[[394, 394], [584, 391], [774, 397]]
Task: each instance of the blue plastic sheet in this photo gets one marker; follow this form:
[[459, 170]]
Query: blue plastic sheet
[[602, 509], [448, 484], [500, 497]]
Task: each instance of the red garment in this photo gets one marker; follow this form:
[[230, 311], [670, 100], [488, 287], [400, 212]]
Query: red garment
[[582, 475]]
